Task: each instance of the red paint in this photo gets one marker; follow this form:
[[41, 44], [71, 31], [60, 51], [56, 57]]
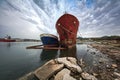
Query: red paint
[[67, 27], [7, 40]]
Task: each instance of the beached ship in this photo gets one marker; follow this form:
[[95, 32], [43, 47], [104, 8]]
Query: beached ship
[[67, 27], [49, 40]]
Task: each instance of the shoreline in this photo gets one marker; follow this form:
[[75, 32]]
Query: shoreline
[[100, 71], [109, 47]]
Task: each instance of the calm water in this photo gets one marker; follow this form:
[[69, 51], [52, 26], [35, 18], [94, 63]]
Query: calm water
[[16, 60]]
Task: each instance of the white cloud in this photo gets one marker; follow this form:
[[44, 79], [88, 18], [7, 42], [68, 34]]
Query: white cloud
[[39, 16]]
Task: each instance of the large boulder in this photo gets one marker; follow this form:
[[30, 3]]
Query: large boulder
[[87, 76], [47, 70], [70, 63], [64, 75]]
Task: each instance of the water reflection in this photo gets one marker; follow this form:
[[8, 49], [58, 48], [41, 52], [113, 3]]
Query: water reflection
[[8, 44], [83, 53], [68, 52], [48, 54]]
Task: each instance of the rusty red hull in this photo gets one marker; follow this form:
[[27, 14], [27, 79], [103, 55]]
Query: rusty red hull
[[67, 27]]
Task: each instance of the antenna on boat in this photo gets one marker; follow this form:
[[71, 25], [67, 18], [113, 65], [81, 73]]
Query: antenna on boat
[[65, 12], [65, 8]]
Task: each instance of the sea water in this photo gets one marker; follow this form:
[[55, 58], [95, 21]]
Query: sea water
[[16, 60]]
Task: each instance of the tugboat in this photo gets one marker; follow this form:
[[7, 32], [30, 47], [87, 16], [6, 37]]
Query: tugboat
[[67, 27], [7, 39], [49, 40]]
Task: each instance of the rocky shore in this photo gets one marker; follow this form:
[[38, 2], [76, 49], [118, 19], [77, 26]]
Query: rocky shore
[[66, 68], [69, 68], [109, 47]]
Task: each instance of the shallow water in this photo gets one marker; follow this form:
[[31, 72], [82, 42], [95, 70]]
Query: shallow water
[[16, 60]]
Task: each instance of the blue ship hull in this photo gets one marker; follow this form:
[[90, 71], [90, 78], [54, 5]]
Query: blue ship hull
[[49, 39]]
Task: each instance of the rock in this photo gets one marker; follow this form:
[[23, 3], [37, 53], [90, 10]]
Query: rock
[[47, 70], [108, 66], [69, 64], [64, 75], [114, 65], [59, 75], [87, 76], [117, 79], [102, 60], [117, 74], [115, 70], [68, 77], [94, 74], [80, 79], [72, 60], [93, 53], [81, 63]]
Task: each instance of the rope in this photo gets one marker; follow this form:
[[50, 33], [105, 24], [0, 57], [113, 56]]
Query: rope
[[66, 29], [69, 30]]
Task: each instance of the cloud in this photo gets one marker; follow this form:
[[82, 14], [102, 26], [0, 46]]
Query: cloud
[[101, 18], [97, 18]]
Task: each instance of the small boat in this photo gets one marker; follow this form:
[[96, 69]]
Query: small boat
[[67, 27], [49, 40]]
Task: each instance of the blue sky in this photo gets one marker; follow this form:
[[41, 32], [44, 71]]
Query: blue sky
[[30, 18]]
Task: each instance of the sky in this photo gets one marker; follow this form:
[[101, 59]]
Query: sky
[[30, 18]]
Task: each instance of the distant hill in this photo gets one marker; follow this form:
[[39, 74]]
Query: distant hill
[[107, 38], [110, 38], [114, 37]]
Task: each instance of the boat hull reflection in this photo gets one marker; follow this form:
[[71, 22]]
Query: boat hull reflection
[[68, 52], [48, 54]]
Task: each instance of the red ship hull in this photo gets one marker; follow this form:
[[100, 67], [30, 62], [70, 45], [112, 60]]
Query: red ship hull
[[7, 40], [67, 27]]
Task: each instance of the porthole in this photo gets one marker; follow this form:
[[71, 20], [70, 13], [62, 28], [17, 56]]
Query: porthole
[[58, 24], [74, 22]]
